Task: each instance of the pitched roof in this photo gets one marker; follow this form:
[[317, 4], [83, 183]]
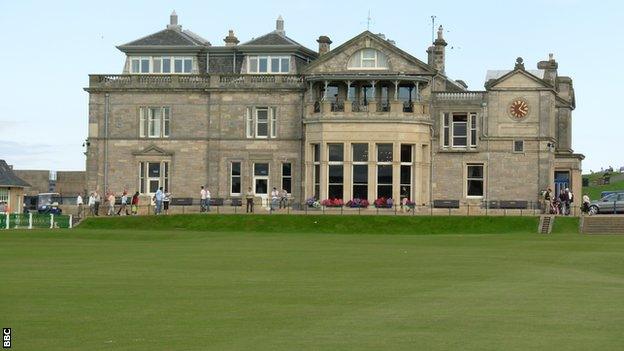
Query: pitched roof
[[8, 178], [499, 76], [169, 37], [272, 38], [380, 40]]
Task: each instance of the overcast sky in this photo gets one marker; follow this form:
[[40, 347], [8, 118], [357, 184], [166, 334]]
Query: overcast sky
[[50, 47]]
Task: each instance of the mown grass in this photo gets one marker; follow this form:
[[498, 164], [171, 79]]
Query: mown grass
[[157, 284], [326, 224]]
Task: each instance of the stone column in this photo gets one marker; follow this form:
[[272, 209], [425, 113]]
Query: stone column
[[323, 173], [372, 105]]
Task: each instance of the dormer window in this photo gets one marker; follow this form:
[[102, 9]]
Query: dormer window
[[268, 64], [161, 64], [368, 59]]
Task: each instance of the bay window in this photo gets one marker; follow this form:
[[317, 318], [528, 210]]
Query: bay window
[[335, 187], [406, 171], [360, 171], [384, 170], [316, 158]]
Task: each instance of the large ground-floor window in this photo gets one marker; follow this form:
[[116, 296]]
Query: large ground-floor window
[[261, 178], [152, 176], [384, 170], [475, 180]]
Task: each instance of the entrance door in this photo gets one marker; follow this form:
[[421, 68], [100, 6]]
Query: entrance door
[[562, 181], [261, 181]]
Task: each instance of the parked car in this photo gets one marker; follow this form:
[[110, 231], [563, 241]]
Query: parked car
[[606, 193], [609, 204]]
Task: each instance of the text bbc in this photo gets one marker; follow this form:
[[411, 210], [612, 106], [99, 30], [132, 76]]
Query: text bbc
[[6, 338]]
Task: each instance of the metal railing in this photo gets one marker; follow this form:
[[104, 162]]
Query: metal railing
[[34, 220]]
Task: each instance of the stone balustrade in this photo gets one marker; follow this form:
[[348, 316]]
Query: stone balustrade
[[373, 108], [179, 81], [459, 96]]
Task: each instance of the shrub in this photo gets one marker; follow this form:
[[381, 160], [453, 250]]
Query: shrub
[[358, 203]]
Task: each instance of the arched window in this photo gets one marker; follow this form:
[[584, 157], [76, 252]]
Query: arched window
[[368, 59]]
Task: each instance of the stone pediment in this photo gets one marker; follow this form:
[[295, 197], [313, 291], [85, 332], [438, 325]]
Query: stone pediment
[[336, 61], [518, 78], [152, 150]]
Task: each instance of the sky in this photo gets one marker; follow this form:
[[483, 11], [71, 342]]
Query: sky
[[50, 47]]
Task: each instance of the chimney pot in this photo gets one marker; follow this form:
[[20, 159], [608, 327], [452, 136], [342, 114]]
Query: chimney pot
[[231, 39], [173, 21], [324, 44], [279, 26]]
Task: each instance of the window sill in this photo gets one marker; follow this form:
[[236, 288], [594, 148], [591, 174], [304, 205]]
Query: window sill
[[447, 149]]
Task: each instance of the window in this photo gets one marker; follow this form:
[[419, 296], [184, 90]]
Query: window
[[518, 146], [268, 64], [360, 171], [474, 180], [459, 130], [152, 176], [4, 195], [368, 59], [261, 178], [235, 178], [316, 151], [406, 171], [161, 64], [287, 176], [335, 187], [261, 122], [384, 170], [154, 122]]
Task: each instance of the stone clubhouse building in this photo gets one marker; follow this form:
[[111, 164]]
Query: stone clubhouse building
[[361, 120]]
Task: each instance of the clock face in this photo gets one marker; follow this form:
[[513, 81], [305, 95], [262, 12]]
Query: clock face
[[519, 109]]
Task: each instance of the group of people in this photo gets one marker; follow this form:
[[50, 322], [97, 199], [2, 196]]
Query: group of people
[[278, 198], [562, 204], [95, 200]]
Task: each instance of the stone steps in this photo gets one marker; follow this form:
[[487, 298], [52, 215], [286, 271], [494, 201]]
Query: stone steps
[[603, 225]]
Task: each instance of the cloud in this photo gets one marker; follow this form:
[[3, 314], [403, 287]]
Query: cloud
[[55, 157]]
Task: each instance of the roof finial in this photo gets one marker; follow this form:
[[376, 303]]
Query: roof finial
[[279, 26], [440, 31], [519, 63]]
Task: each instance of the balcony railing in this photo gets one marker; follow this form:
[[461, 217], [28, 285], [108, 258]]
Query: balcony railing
[[460, 96], [373, 107], [178, 81]]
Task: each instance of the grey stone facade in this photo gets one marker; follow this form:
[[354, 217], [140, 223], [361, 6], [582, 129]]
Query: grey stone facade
[[504, 143]]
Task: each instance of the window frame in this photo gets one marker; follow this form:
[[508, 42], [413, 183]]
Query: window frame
[[287, 176], [233, 176], [448, 125], [334, 164], [187, 63], [468, 179], [384, 164], [282, 60], [515, 144], [146, 121], [405, 164], [252, 122], [358, 59], [164, 177], [360, 163]]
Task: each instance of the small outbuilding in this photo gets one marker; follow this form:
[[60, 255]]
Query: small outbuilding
[[11, 189]]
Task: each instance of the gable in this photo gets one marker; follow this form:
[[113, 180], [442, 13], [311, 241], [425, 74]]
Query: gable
[[517, 79], [152, 150], [337, 60]]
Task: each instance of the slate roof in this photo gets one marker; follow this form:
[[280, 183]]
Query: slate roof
[[169, 37], [495, 74], [8, 178], [272, 38]]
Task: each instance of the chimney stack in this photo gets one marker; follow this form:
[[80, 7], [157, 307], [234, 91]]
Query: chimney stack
[[279, 26], [324, 43], [173, 21], [550, 69], [436, 52], [231, 39]]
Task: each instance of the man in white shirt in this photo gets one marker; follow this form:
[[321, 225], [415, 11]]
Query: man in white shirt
[[80, 205], [158, 198], [124, 204], [202, 202], [91, 204], [274, 198], [207, 200]]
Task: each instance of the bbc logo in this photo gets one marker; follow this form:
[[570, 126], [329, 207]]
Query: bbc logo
[[6, 338]]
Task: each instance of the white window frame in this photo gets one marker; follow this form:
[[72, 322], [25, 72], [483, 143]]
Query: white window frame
[[5, 197], [360, 59], [359, 163], [467, 179], [383, 163], [252, 122], [447, 134], [261, 177], [269, 59], [316, 165], [233, 176], [409, 163], [335, 163], [147, 119], [187, 63], [145, 180]]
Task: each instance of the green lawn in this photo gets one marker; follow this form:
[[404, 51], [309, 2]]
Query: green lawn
[[594, 190], [138, 289]]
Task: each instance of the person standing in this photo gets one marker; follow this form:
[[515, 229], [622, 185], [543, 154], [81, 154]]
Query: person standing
[[274, 198], [250, 200], [585, 206], [111, 203], [202, 199], [135, 204], [570, 200], [158, 199], [207, 200], [563, 201], [283, 202], [91, 204], [97, 200], [547, 200], [166, 200], [80, 205], [124, 204]]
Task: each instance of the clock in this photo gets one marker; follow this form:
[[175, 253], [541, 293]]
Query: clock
[[518, 108]]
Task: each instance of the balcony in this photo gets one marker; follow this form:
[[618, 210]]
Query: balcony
[[368, 109], [201, 82]]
